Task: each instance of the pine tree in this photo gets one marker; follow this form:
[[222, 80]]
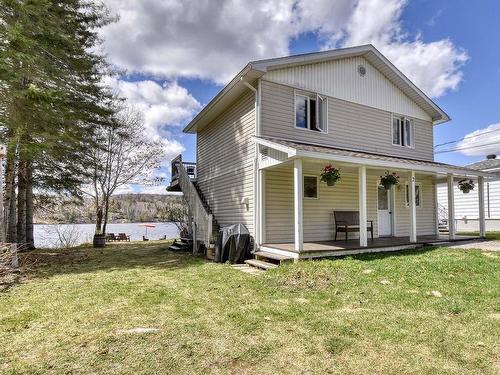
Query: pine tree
[[51, 98]]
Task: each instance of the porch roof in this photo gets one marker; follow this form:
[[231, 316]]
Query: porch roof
[[296, 149]]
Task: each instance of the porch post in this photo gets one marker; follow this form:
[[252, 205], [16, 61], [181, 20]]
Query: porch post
[[413, 208], [363, 217], [262, 206], [297, 198], [482, 223], [451, 207]]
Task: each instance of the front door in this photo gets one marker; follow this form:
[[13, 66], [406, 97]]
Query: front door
[[384, 212]]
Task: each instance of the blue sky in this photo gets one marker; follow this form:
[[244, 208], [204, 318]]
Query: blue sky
[[448, 48]]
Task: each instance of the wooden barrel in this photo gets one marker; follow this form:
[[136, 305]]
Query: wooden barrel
[[99, 240]]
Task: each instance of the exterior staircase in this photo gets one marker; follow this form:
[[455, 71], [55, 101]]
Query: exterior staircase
[[442, 219], [215, 224], [201, 219]]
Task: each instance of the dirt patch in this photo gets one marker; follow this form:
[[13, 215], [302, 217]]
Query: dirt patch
[[318, 279], [30, 261]]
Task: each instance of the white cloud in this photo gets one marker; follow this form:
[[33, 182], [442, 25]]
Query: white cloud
[[194, 38], [481, 142], [433, 66], [163, 106]]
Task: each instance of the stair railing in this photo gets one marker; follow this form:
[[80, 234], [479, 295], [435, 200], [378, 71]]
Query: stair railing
[[201, 219]]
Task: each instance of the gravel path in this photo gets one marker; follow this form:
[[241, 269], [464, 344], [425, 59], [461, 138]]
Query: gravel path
[[483, 245]]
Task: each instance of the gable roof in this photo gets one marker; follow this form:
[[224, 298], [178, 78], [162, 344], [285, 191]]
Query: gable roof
[[485, 165], [256, 69]]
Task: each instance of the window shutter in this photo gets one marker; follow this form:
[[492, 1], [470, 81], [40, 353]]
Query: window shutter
[[322, 115]]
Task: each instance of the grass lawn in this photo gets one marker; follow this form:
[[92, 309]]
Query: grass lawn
[[489, 235], [421, 312]]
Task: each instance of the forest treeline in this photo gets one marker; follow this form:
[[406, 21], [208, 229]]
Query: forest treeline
[[124, 208]]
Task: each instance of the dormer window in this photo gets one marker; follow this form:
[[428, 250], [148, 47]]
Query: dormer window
[[311, 112], [403, 131]]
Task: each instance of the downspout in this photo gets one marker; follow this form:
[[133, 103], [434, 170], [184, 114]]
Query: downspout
[[256, 203]]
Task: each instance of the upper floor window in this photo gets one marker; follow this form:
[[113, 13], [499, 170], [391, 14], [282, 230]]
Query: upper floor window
[[403, 131], [311, 112]]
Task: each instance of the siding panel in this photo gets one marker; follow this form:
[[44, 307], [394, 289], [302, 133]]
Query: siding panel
[[225, 154], [340, 79], [318, 218], [350, 125]]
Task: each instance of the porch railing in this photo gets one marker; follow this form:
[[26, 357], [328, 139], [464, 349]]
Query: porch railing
[[200, 218]]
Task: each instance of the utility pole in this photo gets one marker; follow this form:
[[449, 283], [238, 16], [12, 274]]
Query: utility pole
[[2, 216]]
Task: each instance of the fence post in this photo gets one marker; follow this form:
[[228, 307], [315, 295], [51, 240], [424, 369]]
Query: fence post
[[15, 259]]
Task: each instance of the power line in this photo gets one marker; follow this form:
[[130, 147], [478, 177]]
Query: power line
[[468, 147], [468, 137]]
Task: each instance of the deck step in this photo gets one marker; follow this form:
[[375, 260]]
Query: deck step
[[260, 264], [185, 239], [262, 255]]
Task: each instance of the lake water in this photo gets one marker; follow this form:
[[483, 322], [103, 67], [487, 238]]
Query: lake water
[[76, 234]]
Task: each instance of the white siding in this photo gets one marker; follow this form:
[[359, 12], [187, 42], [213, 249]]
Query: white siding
[[467, 205], [318, 213], [426, 217], [225, 156], [350, 125], [340, 79]]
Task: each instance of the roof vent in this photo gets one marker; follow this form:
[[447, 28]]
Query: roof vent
[[491, 156]]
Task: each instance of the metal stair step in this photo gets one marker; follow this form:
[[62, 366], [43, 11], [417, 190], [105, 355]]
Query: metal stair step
[[260, 264]]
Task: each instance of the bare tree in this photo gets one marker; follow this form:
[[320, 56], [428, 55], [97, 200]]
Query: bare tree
[[124, 155], [176, 213]]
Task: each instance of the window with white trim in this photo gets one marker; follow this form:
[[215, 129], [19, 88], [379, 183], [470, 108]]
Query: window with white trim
[[311, 187], [311, 112], [403, 131], [418, 195]]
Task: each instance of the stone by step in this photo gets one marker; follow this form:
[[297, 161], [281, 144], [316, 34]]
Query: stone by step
[[175, 247], [260, 264]]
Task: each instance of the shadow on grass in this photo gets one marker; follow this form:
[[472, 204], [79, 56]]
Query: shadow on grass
[[48, 262], [389, 254]]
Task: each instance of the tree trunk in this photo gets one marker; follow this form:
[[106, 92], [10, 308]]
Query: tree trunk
[[106, 211], [98, 223], [10, 194], [30, 240], [21, 202]]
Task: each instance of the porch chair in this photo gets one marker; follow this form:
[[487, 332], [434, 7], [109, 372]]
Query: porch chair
[[348, 221]]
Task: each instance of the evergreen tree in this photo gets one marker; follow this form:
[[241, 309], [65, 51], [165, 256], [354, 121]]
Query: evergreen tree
[[51, 98]]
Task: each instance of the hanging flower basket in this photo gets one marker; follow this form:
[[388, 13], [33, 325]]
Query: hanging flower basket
[[466, 185], [389, 179], [330, 175]]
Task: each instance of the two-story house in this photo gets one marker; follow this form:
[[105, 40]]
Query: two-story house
[[264, 139]]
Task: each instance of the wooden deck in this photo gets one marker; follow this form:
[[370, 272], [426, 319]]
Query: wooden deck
[[342, 247]]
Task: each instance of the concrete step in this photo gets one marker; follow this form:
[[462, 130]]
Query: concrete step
[[263, 255], [260, 264]]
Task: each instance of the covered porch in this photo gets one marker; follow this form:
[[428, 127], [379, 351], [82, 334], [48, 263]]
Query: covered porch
[[349, 247], [297, 225]]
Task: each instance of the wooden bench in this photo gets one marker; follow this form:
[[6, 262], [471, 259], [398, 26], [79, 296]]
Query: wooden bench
[[348, 221]]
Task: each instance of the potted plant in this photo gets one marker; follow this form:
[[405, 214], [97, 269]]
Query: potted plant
[[389, 179], [330, 175], [466, 185]]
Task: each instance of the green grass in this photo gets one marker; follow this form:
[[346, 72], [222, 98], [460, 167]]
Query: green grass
[[378, 314], [489, 235]]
